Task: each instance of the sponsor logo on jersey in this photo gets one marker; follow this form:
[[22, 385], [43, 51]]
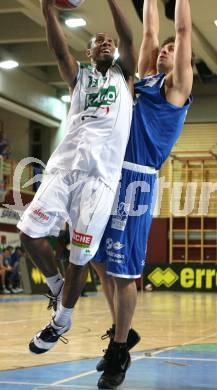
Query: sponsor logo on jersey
[[82, 240], [118, 246], [94, 81], [113, 245], [88, 252], [150, 82], [119, 221], [115, 257], [105, 97], [112, 256], [39, 215]]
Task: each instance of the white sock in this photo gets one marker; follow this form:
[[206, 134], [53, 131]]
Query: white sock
[[63, 316], [55, 283]]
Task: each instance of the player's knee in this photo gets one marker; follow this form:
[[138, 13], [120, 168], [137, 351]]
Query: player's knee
[[123, 282]]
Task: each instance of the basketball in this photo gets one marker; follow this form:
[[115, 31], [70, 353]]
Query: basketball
[[68, 4]]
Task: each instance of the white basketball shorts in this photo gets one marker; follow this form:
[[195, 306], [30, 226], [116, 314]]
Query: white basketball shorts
[[84, 202]]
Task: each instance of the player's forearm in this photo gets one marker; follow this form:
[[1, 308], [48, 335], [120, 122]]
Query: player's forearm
[[55, 37], [121, 24], [150, 18], [183, 20]]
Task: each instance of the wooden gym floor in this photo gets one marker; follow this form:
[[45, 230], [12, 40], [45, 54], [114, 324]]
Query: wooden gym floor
[[178, 350]]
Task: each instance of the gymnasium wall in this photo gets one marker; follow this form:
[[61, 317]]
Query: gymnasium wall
[[203, 109], [197, 136], [19, 87], [16, 130]]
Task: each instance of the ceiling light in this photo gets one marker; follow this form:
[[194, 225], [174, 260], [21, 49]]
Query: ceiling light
[[215, 22], [66, 98], [75, 22], [9, 64]]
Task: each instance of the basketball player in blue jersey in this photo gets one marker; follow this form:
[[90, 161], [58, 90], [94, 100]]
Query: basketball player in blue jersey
[[163, 98]]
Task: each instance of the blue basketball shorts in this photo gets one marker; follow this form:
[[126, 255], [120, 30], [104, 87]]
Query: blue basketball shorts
[[123, 245]]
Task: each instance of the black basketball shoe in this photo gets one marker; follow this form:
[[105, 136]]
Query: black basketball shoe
[[117, 362], [132, 339], [44, 340]]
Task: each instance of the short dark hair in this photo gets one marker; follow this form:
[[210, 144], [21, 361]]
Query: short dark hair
[[172, 39], [168, 40], [89, 43]]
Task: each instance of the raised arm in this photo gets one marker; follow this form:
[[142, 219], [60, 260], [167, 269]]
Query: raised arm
[[150, 44], [126, 47], [56, 41], [183, 73]]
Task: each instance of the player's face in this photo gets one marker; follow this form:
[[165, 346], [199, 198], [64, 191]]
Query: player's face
[[166, 58], [102, 48]]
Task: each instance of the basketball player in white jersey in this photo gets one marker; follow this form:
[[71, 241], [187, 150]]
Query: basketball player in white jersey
[[82, 174]]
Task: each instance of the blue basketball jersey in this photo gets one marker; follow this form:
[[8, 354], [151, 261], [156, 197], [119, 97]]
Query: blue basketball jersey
[[156, 124]]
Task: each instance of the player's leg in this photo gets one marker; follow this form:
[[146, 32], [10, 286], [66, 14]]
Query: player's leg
[[84, 280], [125, 260], [61, 322], [114, 250], [116, 360], [136, 235], [117, 356], [108, 287], [125, 300], [44, 217], [39, 249], [94, 200], [73, 286], [126, 297], [91, 202]]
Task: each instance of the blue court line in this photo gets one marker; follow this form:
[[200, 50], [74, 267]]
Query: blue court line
[[21, 298], [29, 298], [171, 370]]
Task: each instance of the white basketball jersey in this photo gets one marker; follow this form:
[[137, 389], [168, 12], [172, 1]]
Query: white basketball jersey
[[98, 126]]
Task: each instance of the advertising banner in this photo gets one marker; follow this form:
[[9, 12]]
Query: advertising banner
[[181, 277]]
